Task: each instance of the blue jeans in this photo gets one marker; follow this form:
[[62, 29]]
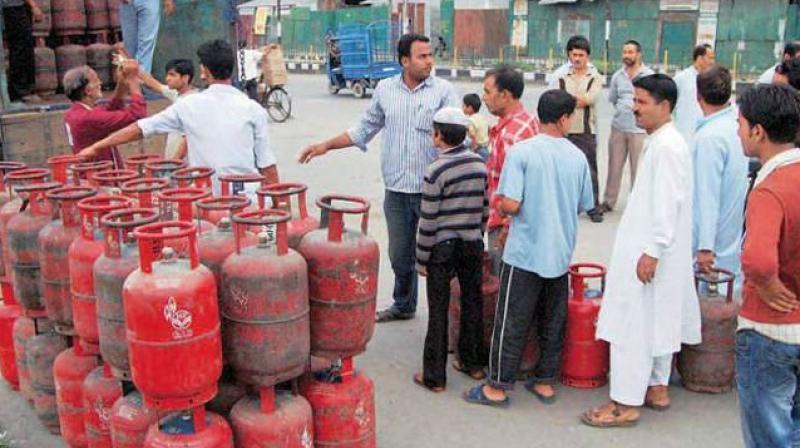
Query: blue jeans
[[483, 152], [402, 215], [767, 378], [139, 20]]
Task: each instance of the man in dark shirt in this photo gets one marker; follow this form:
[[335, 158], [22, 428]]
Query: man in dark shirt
[[87, 122], [17, 23]]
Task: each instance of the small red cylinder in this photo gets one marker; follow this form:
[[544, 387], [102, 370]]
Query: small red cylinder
[[196, 429], [69, 371], [273, 419], [585, 360], [130, 420], [100, 392]]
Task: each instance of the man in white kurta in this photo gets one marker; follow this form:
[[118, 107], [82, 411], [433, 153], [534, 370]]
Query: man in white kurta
[[687, 109], [650, 305]]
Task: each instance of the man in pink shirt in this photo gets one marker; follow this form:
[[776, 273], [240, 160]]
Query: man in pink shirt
[[87, 122]]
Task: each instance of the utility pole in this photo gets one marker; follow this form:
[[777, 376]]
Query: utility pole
[[280, 31]]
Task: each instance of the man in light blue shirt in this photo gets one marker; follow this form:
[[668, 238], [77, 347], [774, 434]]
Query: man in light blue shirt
[[720, 168], [687, 112], [402, 107], [545, 184]]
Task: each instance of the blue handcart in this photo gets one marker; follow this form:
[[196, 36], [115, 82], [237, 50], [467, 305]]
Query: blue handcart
[[359, 56]]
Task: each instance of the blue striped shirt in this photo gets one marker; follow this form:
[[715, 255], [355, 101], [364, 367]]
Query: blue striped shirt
[[406, 116]]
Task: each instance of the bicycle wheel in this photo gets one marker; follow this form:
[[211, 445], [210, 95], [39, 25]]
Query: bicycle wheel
[[278, 104]]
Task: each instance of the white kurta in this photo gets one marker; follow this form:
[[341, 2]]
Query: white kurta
[[658, 317], [687, 110]]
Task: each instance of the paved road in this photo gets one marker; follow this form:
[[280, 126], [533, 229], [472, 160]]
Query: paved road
[[408, 416]]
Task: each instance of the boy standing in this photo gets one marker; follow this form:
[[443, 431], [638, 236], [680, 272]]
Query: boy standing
[[545, 184], [478, 127], [455, 208]]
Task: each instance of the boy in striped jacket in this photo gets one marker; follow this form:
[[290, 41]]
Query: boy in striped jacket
[[454, 211]]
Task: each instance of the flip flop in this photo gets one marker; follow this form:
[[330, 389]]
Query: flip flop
[[419, 381], [599, 418], [530, 385], [477, 375], [476, 396]]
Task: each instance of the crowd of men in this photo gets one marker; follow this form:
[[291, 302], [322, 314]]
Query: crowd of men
[[688, 146], [451, 181]]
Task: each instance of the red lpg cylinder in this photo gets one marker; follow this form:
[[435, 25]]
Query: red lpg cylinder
[[98, 57], [281, 195], [46, 75], [61, 167], [9, 206], [40, 354], [9, 312], [222, 208], [23, 243], [229, 391], [24, 329], [178, 204], [68, 57], [42, 29], [172, 320], [144, 191], [193, 176], [97, 15], [8, 211], [215, 246], [54, 241], [709, 367], [585, 359], [69, 370], [342, 280], [83, 252], [344, 408], [119, 259], [264, 305], [100, 392], [130, 420], [110, 181], [273, 419], [490, 284], [138, 161], [235, 184], [69, 17], [82, 171], [163, 168], [9, 309], [195, 429]]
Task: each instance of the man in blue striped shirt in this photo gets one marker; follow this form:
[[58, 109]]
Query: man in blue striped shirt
[[403, 107]]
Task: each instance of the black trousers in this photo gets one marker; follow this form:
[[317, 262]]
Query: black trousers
[[588, 144], [462, 258], [18, 27], [524, 298]]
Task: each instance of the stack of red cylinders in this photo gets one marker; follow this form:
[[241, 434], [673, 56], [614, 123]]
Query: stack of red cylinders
[[343, 281]]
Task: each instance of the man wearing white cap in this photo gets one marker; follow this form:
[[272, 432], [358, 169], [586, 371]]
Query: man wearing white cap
[[454, 211]]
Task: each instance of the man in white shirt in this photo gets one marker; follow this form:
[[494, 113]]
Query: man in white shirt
[[687, 110], [180, 73], [224, 128], [790, 50], [650, 306]]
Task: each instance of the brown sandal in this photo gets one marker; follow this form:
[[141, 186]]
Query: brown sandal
[[477, 374], [420, 381], [610, 415]]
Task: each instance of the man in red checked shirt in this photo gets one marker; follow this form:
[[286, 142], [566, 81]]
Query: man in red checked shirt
[[502, 90], [87, 122]]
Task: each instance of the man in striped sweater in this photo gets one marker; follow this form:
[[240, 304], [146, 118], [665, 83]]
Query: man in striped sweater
[[454, 211]]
